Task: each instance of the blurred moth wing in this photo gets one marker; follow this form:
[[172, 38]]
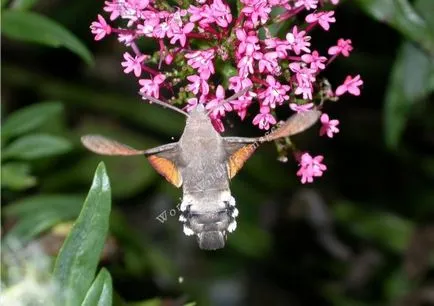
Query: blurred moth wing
[[161, 158], [240, 149]]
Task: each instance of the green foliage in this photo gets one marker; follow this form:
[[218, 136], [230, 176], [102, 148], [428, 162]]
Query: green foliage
[[39, 213], [411, 80], [77, 261], [16, 176], [28, 147], [35, 28], [27, 119], [412, 77], [35, 146], [100, 293]]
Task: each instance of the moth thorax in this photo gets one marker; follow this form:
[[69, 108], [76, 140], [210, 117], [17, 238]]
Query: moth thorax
[[210, 216]]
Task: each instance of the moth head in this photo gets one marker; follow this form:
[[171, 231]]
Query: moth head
[[209, 217]]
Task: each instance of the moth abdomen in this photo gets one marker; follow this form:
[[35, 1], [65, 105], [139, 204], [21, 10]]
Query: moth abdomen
[[210, 218]]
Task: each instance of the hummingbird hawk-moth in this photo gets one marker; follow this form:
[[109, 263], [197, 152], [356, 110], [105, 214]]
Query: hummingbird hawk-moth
[[203, 163]]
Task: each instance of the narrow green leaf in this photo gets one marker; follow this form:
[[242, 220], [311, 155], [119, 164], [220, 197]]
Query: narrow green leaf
[[71, 203], [401, 15], [30, 118], [16, 176], [151, 302], [101, 291], [23, 5], [31, 226], [409, 83], [37, 214], [32, 27], [78, 258], [36, 146]]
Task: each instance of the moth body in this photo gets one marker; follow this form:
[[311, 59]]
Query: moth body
[[208, 208]]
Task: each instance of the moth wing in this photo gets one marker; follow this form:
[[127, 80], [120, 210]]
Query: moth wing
[[105, 146], [164, 160], [239, 149], [295, 124]]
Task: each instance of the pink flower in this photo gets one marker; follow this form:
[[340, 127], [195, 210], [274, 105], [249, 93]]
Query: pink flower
[[248, 42], [150, 24], [275, 93], [328, 126], [334, 2], [264, 118], [344, 47], [218, 107], [126, 39], [133, 64], [323, 18], [310, 167], [132, 10], [237, 83], [308, 4], [267, 62], [191, 104], [351, 85], [178, 33], [197, 84], [113, 8], [281, 46], [258, 11], [152, 87], [217, 123], [241, 104], [305, 77], [217, 12], [298, 41], [245, 66], [202, 61], [315, 61], [221, 13], [301, 108], [100, 28], [161, 29]]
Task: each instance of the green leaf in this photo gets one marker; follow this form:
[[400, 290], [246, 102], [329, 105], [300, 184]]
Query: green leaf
[[30, 118], [36, 146], [32, 27], [16, 176], [68, 203], [411, 80], [78, 258], [400, 15], [398, 285], [151, 302], [31, 226], [101, 291], [37, 214], [23, 5]]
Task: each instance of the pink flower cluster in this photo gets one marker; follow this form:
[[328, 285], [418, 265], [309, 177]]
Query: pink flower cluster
[[202, 43]]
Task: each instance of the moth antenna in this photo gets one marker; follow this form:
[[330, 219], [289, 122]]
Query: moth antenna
[[164, 104], [231, 98]]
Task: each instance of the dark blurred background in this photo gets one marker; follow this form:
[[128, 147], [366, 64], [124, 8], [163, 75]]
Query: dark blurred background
[[362, 234]]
